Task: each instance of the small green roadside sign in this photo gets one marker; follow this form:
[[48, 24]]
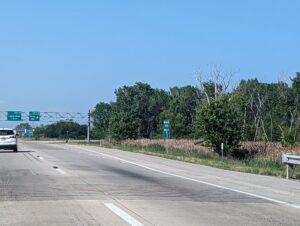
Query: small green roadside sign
[[14, 116], [34, 116], [30, 133], [166, 129]]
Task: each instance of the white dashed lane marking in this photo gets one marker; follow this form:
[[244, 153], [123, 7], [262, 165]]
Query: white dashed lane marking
[[121, 213]]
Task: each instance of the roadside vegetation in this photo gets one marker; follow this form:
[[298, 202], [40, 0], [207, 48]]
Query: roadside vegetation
[[191, 151], [255, 121], [61, 130]]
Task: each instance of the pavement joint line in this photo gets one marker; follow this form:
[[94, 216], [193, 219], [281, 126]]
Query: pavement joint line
[[125, 216], [198, 181]]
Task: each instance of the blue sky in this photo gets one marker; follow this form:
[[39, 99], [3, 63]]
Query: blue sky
[[68, 55]]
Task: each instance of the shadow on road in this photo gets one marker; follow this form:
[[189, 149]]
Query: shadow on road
[[9, 151]]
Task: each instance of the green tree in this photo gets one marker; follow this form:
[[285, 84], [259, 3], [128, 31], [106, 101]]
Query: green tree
[[218, 123], [123, 126], [265, 110], [100, 118], [141, 105], [289, 134], [23, 126], [181, 111], [159, 101], [62, 130]]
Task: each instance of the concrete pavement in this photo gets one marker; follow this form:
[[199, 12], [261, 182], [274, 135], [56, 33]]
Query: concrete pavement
[[61, 184]]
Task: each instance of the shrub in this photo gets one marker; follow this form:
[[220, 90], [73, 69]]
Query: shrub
[[219, 122]]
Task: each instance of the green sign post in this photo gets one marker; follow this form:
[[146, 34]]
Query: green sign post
[[166, 129], [34, 116], [14, 116]]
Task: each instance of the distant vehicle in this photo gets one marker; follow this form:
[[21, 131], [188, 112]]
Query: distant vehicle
[[8, 139]]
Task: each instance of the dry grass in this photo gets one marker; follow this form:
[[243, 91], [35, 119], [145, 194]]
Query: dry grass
[[258, 150], [268, 150], [187, 145], [265, 157]]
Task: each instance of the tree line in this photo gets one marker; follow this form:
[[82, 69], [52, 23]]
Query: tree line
[[210, 112], [61, 130], [253, 111]]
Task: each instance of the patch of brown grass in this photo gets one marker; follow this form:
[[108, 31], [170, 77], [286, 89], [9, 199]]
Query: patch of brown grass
[[258, 150], [268, 150], [187, 145]]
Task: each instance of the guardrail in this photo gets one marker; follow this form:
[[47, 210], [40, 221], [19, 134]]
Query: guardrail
[[291, 161]]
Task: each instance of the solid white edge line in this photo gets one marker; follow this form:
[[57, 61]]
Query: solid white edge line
[[198, 181], [126, 217]]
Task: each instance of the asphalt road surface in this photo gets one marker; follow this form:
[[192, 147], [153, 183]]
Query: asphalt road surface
[[61, 184]]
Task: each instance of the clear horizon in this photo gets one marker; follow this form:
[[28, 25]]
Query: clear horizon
[[68, 56]]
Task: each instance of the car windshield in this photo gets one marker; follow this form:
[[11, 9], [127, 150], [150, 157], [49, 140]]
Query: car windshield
[[6, 132]]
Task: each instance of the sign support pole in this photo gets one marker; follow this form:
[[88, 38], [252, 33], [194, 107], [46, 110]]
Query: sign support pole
[[88, 127], [222, 150]]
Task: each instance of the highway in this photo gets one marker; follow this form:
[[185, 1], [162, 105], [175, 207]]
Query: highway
[[63, 184]]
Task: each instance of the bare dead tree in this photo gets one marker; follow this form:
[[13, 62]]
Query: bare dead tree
[[244, 121], [201, 86], [271, 125], [221, 80], [293, 109], [261, 101], [256, 104]]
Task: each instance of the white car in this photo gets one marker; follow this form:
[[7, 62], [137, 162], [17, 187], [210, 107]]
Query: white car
[[8, 139]]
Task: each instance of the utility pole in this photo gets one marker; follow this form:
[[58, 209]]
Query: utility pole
[[88, 127]]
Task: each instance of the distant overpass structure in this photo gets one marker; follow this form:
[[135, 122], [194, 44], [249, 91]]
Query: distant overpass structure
[[37, 117], [43, 117]]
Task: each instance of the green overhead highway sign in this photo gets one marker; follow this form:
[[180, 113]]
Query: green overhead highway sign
[[14, 116], [34, 116]]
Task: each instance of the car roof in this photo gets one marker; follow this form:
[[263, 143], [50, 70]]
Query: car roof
[[6, 129]]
